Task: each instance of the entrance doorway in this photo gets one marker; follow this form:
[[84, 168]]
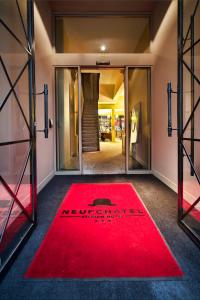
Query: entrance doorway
[[103, 120]]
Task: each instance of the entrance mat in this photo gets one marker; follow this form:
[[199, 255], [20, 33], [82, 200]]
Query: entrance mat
[[103, 231]]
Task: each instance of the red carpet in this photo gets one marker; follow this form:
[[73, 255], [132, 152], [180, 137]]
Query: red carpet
[[103, 230]]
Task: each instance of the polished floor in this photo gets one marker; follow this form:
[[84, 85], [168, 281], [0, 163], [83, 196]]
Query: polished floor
[[162, 205], [109, 160]]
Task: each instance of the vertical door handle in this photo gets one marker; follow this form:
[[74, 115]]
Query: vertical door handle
[[169, 96], [46, 119]]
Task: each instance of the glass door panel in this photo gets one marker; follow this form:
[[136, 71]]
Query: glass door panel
[[17, 133], [67, 114], [138, 119], [188, 118]]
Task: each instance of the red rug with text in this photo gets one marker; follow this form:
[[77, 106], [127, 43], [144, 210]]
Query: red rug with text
[[103, 230]]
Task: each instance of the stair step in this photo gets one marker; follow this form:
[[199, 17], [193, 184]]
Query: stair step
[[89, 126], [89, 122], [90, 110], [90, 104], [91, 142], [89, 116], [90, 139], [89, 149], [90, 119], [90, 130], [89, 133]]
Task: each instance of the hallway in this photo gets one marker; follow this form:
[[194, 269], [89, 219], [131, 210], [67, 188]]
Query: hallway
[[161, 203], [109, 160]]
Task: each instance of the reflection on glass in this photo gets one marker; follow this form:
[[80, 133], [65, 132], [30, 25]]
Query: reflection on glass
[[9, 13], [67, 119], [13, 54], [13, 125], [13, 220], [191, 191], [138, 118]]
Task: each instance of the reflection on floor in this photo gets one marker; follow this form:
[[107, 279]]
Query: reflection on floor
[[133, 164], [109, 160], [70, 164]]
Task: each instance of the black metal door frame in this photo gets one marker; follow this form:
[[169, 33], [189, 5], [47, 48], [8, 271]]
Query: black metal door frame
[[31, 124], [182, 152]]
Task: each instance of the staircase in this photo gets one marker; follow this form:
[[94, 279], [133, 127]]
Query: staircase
[[90, 127]]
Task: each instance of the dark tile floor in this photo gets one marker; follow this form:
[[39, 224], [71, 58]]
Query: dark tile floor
[[161, 203]]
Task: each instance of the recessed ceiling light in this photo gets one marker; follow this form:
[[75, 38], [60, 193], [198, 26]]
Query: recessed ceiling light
[[103, 48]]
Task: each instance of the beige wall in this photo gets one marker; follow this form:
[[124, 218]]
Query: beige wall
[[115, 59], [44, 74], [164, 46], [164, 149]]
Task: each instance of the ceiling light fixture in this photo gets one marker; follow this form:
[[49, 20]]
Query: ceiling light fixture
[[103, 48]]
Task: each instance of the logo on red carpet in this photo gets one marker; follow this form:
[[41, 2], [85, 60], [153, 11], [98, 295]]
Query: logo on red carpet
[[104, 211], [102, 201]]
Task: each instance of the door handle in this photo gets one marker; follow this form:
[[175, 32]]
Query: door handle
[[169, 98], [46, 119]]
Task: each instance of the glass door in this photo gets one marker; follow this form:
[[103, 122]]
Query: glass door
[[188, 118], [68, 114], [103, 120], [138, 129], [129, 135], [17, 130]]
